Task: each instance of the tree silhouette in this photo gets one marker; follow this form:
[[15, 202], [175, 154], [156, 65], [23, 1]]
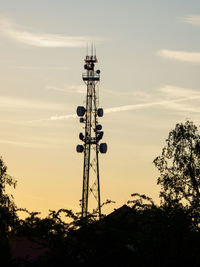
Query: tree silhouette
[[7, 210], [7, 205], [179, 167]]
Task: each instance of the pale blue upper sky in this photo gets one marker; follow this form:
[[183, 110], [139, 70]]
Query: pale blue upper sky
[[149, 57]]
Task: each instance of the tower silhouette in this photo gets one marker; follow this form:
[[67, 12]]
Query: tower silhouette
[[92, 135]]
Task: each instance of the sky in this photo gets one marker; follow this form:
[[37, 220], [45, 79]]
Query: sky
[[149, 57]]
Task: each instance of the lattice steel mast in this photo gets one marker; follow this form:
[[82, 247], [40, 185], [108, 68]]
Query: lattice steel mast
[[93, 134]]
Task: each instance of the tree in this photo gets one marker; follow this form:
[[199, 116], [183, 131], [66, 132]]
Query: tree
[[179, 167], [7, 206], [8, 216]]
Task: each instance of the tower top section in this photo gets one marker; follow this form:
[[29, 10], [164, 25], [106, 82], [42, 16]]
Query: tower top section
[[91, 74], [91, 59]]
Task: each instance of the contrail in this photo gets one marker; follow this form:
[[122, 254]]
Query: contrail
[[130, 107], [63, 117]]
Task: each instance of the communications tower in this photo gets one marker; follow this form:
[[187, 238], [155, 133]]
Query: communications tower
[[92, 135]]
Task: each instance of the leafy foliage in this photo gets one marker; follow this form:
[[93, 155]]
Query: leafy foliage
[[8, 216], [179, 166], [141, 201], [6, 201]]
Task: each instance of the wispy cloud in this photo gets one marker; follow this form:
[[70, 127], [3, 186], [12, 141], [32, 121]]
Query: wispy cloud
[[20, 103], [189, 96], [139, 94], [62, 117], [21, 144], [177, 92], [151, 104], [181, 106], [191, 19], [18, 34], [178, 55], [68, 89], [177, 98], [40, 68]]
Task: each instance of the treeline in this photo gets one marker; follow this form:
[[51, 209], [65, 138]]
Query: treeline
[[140, 233]]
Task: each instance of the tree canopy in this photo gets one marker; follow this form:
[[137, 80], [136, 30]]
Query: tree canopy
[[7, 206], [179, 166]]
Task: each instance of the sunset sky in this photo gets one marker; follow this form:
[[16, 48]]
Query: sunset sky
[[149, 57]]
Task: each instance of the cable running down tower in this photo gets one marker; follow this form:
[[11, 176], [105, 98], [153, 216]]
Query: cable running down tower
[[93, 133]]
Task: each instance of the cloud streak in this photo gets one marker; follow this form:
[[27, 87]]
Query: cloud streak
[[80, 89], [191, 19], [177, 92], [44, 68], [178, 55], [170, 104], [19, 103], [14, 32], [62, 117], [21, 144]]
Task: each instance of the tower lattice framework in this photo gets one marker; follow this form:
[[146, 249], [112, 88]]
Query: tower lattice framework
[[91, 137]]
